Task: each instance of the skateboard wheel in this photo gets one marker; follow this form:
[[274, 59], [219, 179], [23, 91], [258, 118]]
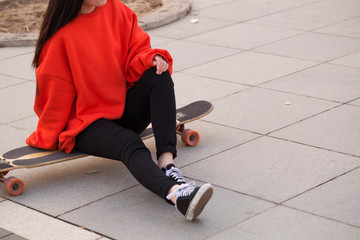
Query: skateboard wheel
[[14, 186], [190, 137]]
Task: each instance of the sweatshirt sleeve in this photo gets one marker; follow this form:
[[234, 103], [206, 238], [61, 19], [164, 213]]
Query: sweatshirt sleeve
[[140, 54], [53, 103]]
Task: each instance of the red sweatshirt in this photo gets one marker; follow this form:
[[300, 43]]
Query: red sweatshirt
[[84, 72]]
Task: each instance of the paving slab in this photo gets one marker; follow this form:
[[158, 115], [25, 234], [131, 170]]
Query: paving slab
[[264, 111], [158, 41], [250, 68], [337, 199], [189, 54], [351, 60], [356, 102], [139, 214], [37, 226], [337, 130], [311, 16], [283, 223], [19, 66], [27, 124], [11, 138], [313, 46], [185, 28], [76, 183], [205, 88], [4, 233], [294, 3], [271, 169], [347, 28], [19, 102], [12, 237], [213, 140], [325, 81], [240, 11], [247, 36], [6, 53], [7, 81], [343, 7], [200, 4]]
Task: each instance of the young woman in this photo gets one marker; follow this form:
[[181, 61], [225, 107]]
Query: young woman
[[99, 85]]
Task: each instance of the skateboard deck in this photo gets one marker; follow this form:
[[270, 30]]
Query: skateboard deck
[[29, 157]]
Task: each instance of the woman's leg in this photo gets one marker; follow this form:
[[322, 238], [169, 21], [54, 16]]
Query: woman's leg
[[154, 95], [104, 138], [107, 139], [152, 99]]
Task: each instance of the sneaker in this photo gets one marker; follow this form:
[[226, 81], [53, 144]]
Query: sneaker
[[191, 200], [171, 171]]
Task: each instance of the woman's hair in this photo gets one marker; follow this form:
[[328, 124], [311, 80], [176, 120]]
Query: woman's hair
[[58, 14]]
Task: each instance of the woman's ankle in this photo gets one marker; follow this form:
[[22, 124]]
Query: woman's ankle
[[165, 159], [173, 188]]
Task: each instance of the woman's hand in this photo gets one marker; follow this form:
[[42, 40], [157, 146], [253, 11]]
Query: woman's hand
[[161, 64]]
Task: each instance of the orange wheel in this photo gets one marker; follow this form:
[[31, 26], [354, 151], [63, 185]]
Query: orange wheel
[[190, 137], [14, 186]]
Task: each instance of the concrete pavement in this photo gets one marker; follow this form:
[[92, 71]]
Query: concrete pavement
[[281, 147]]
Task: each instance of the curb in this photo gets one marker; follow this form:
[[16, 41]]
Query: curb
[[172, 11]]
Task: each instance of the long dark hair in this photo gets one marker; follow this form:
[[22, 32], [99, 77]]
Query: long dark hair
[[58, 14]]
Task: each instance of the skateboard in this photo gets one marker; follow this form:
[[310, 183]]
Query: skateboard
[[30, 157]]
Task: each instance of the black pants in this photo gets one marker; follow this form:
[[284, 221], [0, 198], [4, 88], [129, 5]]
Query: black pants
[[151, 99]]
